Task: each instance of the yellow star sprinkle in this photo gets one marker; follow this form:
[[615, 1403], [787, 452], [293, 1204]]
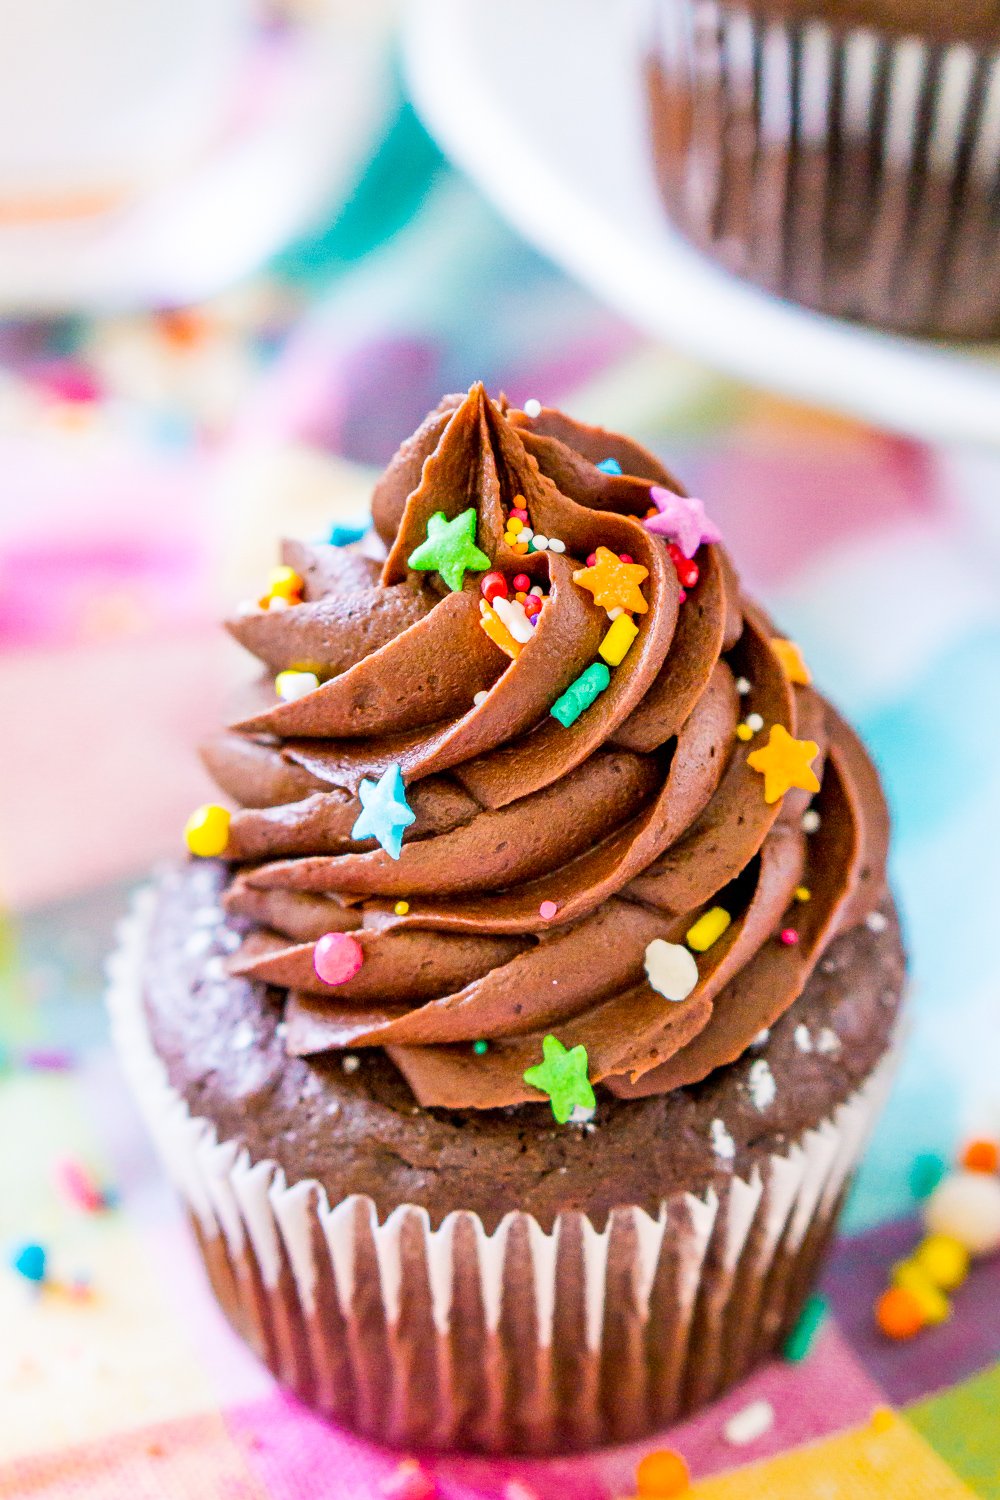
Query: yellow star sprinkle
[[614, 584], [792, 664], [785, 762]]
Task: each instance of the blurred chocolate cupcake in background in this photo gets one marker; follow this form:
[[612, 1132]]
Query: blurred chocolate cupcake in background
[[844, 154]]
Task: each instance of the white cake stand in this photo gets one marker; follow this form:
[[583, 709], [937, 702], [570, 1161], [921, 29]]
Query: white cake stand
[[540, 102]]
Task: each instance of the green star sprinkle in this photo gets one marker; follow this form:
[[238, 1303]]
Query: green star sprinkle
[[563, 1076], [450, 549]]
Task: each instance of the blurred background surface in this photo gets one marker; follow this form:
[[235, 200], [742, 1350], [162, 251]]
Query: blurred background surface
[[190, 372]]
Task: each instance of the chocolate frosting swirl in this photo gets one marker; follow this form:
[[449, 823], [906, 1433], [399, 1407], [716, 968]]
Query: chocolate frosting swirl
[[633, 821]]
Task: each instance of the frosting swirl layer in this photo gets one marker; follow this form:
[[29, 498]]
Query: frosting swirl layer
[[543, 858]]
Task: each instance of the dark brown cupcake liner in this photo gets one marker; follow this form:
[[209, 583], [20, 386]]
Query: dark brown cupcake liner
[[849, 169], [519, 1341]]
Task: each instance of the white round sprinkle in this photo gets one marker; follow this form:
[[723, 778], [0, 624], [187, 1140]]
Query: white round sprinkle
[[525, 534], [748, 1425], [810, 820], [532, 408], [541, 542], [742, 686], [537, 589], [276, 604], [755, 722], [555, 545], [803, 1038], [760, 1082], [828, 1042], [762, 1038], [876, 921], [292, 685], [722, 1142], [671, 969], [350, 1063], [480, 698]]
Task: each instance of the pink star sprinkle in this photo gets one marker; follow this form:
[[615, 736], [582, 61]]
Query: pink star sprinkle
[[682, 519]]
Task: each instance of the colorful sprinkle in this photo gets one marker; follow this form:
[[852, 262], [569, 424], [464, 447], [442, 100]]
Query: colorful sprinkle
[[532, 408], [547, 910], [480, 1048], [943, 1260], [803, 1336], [337, 957], [343, 536], [30, 1261], [450, 549], [682, 518], [743, 686], [687, 572], [292, 685], [515, 525], [539, 543], [791, 661], [618, 641], [670, 969], [522, 581], [784, 763], [802, 893], [927, 1171], [755, 722], [613, 583], [581, 694], [609, 466], [934, 1305], [744, 733], [810, 820], [661, 1475], [562, 1075], [746, 1426], [556, 544], [511, 614], [898, 1314], [981, 1156], [401, 908], [708, 929], [788, 936], [497, 632], [285, 583], [206, 831], [80, 1187], [493, 584], [385, 811], [480, 698]]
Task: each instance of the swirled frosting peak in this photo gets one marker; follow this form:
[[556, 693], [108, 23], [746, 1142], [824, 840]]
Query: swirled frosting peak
[[607, 753]]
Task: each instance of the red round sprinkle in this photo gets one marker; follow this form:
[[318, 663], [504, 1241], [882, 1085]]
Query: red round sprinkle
[[493, 586], [337, 957], [532, 604], [624, 557], [522, 583], [547, 910], [685, 568], [592, 560], [789, 937]]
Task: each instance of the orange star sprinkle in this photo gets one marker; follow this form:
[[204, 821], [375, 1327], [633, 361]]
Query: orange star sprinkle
[[792, 664], [785, 762], [613, 583]]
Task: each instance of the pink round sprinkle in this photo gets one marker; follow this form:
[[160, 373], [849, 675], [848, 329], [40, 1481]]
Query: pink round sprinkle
[[547, 910], [592, 560], [337, 958], [624, 557], [789, 937], [522, 515], [682, 595]]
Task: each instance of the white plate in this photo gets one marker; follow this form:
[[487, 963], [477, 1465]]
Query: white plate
[[307, 116], [540, 102]]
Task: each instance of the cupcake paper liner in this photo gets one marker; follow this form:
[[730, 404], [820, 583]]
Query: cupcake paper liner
[[517, 1341], [850, 169]]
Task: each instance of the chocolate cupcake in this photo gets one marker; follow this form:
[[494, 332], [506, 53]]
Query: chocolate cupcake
[[842, 153], [514, 1041]]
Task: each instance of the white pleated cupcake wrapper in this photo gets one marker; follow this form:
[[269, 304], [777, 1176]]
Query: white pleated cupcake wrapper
[[515, 1340]]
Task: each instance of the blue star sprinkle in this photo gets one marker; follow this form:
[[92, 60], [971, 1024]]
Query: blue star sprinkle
[[385, 811]]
